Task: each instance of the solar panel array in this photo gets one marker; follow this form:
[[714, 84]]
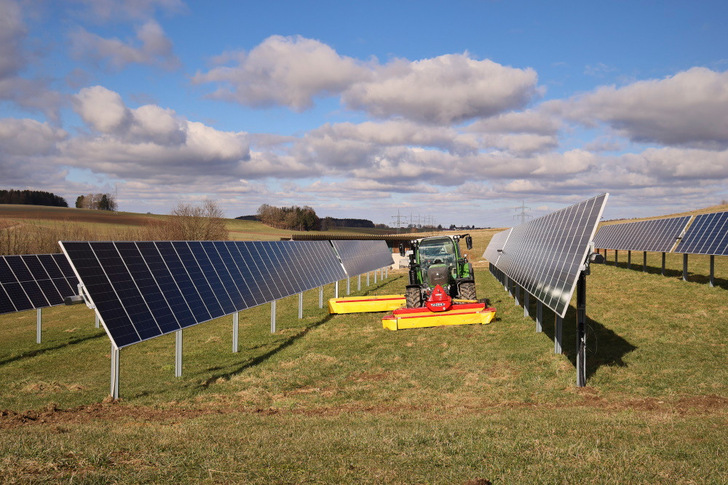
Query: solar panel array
[[362, 256], [546, 255], [658, 235], [143, 290], [708, 234], [497, 243], [35, 281]]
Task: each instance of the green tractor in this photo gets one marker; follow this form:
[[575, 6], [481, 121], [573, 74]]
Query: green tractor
[[435, 261]]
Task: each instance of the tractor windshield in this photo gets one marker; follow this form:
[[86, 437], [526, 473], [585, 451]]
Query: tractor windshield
[[439, 250]]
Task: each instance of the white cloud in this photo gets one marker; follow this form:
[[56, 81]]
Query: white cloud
[[154, 48], [102, 109], [109, 10], [689, 108], [288, 71], [445, 89]]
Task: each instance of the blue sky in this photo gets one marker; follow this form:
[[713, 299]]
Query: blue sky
[[453, 111]]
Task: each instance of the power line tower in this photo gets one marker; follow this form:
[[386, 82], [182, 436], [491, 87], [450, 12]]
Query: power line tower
[[398, 220], [523, 215]]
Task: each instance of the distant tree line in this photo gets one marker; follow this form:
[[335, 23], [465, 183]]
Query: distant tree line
[[31, 197], [104, 202], [294, 217], [329, 222]]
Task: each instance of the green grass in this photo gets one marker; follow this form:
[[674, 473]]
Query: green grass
[[338, 399]]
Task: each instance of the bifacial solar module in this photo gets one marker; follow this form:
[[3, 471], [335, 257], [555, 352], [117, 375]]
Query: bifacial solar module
[[145, 289], [35, 281], [708, 234], [658, 235], [546, 255], [362, 256], [497, 243]]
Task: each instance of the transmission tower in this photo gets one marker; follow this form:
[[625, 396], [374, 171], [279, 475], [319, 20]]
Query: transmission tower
[[523, 215]]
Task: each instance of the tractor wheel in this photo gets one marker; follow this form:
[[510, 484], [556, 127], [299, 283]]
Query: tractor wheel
[[467, 291], [413, 297]]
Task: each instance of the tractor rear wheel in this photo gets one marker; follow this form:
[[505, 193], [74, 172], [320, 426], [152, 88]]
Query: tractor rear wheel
[[467, 291], [413, 297]]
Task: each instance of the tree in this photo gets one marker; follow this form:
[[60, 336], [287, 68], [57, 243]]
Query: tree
[[193, 223], [80, 202]]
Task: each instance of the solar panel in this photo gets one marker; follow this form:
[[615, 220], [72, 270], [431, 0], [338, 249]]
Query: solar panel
[[362, 256], [546, 255], [145, 289], [658, 235], [708, 234], [496, 244], [32, 281]]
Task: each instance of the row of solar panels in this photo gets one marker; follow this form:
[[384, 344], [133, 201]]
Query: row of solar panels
[[545, 256], [145, 289], [702, 234]]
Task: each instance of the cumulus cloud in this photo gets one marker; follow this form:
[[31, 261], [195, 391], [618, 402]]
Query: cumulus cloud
[[153, 48], [292, 71], [27, 150], [288, 71], [446, 89], [689, 109]]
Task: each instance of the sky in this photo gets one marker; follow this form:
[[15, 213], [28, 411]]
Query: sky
[[463, 112]]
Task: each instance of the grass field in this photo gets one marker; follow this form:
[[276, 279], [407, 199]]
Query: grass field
[[338, 399]]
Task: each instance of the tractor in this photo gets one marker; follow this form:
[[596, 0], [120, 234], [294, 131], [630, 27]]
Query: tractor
[[437, 260]]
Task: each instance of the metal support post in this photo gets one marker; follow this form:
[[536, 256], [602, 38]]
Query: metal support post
[[375, 276], [526, 303], [336, 289], [505, 282], [581, 330], [712, 271], [178, 353], [236, 325], [38, 325], [629, 259], [644, 261], [348, 286], [663, 264], [517, 294], [96, 319], [114, 391], [685, 267], [539, 316], [358, 282], [558, 332], [616, 257], [321, 296], [273, 316], [300, 305], [386, 272]]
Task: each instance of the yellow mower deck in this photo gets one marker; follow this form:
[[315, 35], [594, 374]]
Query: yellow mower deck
[[366, 304], [462, 314]]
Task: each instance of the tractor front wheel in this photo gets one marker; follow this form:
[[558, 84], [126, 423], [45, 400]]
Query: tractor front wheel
[[467, 291], [413, 297]]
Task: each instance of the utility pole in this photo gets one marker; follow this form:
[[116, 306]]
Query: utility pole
[[398, 220], [522, 215]]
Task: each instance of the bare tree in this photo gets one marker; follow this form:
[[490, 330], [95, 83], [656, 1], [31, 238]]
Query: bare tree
[[193, 223]]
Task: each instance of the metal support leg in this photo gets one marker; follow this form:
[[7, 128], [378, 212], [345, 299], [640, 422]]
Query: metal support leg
[[300, 305], [616, 257], [114, 391], [581, 330], [386, 272], [367, 278], [38, 325], [358, 283], [321, 296], [96, 320], [712, 271], [336, 289], [685, 267], [663, 264], [644, 261], [273, 316], [629, 259], [375, 276], [236, 325], [526, 303], [558, 326], [517, 294], [178, 353], [348, 286], [539, 316]]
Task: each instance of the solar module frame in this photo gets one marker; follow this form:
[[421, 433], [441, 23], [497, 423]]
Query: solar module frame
[[545, 256], [708, 234], [32, 281], [655, 235], [495, 246], [361, 256], [142, 290]]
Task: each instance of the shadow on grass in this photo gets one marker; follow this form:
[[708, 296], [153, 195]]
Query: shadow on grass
[[35, 352], [603, 346], [263, 357], [672, 273]]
